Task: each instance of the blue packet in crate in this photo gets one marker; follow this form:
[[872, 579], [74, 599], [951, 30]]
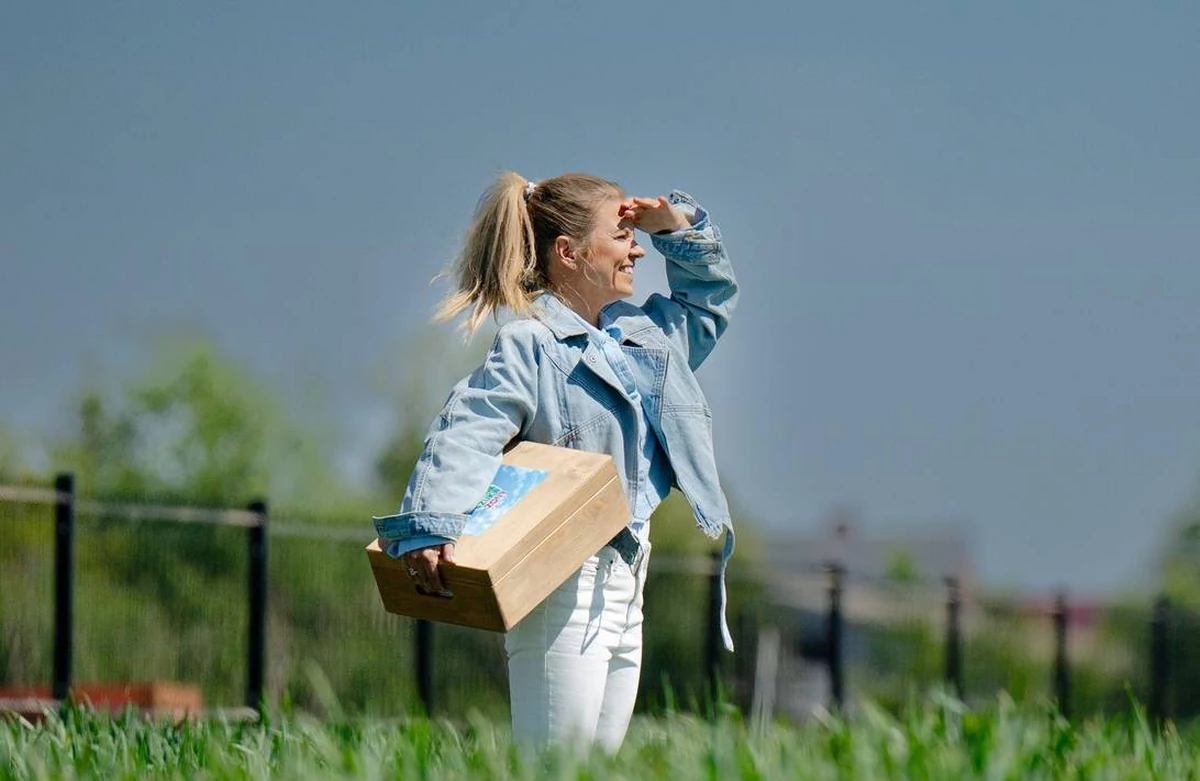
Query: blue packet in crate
[[510, 484]]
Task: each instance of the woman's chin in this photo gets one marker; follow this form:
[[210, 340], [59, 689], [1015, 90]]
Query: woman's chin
[[618, 293]]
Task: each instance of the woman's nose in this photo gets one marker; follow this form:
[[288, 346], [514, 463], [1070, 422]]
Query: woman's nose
[[637, 251]]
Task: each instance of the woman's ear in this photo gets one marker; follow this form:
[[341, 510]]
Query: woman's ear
[[564, 252]]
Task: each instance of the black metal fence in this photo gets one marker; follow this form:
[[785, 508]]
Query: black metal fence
[[244, 587]]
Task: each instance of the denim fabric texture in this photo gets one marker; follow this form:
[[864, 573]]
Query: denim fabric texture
[[654, 471], [546, 379], [654, 476]]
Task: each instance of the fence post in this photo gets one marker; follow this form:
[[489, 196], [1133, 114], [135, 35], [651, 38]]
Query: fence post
[[1159, 658], [833, 639], [64, 584], [954, 671], [424, 641], [1061, 676], [257, 645], [713, 645]]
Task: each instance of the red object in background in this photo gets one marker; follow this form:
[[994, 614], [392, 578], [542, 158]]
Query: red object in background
[[155, 698]]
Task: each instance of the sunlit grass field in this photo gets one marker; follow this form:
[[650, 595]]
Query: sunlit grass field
[[935, 738]]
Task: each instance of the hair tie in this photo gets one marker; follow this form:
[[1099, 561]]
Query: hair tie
[[529, 185]]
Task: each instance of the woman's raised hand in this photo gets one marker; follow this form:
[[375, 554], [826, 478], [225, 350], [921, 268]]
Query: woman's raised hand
[[654, 215]]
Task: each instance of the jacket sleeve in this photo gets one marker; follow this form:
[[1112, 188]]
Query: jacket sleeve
[[465, 444], [704, 290]]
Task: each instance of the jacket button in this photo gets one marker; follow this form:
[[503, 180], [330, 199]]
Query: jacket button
[[591, 359]]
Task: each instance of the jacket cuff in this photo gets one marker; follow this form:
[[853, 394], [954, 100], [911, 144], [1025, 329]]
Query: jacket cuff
[[413, 524], [397, 548], [694, 243]]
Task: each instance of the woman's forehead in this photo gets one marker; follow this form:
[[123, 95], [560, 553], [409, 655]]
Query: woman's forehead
[[611, 213]]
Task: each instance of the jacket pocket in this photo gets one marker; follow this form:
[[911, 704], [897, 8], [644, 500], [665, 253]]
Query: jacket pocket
[[578, 435], [693, 410]]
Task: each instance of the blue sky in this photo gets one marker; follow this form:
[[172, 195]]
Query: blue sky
[[965, 232]]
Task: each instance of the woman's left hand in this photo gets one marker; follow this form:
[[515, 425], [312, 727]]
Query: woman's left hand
[[654, 215]]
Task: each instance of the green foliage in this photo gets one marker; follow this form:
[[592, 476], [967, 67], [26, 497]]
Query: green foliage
[[201, 431], [197, 428], [933, 739], [26, 578], [902, 569], [101, 454]]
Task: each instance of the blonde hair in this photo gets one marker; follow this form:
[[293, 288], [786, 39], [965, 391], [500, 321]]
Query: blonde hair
[[506, 252]]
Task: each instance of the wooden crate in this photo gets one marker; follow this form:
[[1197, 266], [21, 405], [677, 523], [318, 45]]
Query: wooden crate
[[507, 570]]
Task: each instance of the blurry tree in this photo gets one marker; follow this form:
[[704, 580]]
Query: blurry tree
[[100, 451], [196, 428]]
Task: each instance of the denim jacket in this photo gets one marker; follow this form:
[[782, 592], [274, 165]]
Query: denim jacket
[[544, 381]]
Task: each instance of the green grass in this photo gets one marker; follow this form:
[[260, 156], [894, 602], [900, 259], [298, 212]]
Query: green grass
[[936, 738]]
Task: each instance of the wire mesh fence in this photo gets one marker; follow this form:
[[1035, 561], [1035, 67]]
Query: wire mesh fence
[[894, 640], [167, 594], [26, 592], [1182, 635], [1006, 648], [157, 600], [347, 653]]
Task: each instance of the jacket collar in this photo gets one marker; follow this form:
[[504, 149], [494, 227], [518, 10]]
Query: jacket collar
[[558, 317], [565, 323]]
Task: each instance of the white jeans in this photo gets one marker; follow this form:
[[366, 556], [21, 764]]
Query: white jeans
[[574, 662]]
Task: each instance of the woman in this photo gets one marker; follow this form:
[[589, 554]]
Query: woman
[[577, 367]]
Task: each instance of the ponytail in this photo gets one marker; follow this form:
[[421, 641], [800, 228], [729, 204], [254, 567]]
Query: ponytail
[[506, 252], [497, 266]]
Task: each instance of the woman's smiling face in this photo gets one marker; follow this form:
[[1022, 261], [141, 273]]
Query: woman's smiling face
[[611, 254]]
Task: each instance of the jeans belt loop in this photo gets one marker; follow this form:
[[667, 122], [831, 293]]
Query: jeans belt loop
[[628, 548]]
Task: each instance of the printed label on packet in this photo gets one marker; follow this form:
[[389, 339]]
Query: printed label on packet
[[510, 484]]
